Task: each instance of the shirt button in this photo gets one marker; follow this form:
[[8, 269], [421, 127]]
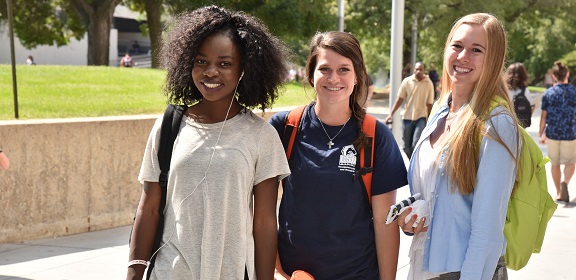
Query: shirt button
[[428, 237]]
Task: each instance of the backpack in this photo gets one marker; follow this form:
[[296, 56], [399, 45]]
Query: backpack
[[530, 206], [168, 133], [523, 108], [366, 159]]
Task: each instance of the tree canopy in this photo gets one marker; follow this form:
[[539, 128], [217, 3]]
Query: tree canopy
[[539, 31], [44, 22], [55, 22]]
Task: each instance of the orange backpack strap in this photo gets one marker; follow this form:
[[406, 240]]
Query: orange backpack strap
[[367, 154], [292, 124]]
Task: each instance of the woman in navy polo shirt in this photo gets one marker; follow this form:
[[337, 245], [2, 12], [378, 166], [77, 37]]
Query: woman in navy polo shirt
[[327, 226]]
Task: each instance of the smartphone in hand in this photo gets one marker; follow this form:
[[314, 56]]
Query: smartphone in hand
[[396, 209]]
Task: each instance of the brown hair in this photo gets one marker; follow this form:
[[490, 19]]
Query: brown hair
[[348, 46], [559, 71], [517, 76]]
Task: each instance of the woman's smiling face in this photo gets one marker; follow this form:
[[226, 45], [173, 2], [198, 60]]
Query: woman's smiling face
[[465, 56], [217, 67], [334, 77]]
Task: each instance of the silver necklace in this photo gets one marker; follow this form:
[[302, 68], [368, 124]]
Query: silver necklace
[[330, 143], [450, 118]]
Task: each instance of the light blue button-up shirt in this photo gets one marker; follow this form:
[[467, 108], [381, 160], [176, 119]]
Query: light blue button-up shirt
[[466, 231]]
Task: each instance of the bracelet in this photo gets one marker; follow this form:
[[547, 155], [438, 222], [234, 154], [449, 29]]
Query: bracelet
[[408, 233], [142, 262]]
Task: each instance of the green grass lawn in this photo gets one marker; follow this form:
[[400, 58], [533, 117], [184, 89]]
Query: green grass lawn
[[48, 91], [537, 89]]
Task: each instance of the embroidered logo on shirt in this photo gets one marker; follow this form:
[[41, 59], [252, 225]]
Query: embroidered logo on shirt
[[348, 159]]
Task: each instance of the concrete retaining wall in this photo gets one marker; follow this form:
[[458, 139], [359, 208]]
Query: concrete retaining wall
[[70, 176]]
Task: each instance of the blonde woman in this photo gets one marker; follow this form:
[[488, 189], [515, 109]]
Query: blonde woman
[[466, 182]]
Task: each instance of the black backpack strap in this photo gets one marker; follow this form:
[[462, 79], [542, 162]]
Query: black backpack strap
[[522, 92], [168, 133]]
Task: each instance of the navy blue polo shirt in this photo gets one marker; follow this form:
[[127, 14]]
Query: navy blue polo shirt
[[325, 220]]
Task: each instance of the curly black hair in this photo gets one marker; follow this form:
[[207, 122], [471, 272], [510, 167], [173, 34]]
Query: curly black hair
[[264, 56]]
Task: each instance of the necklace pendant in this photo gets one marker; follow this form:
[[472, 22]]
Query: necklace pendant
[[330, 144]]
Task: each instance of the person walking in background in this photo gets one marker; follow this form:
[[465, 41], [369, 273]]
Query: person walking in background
[[126, 61], [4, 161], [467, 187], [220, 214], [30, 60], [327, 226], [517, 78], [136, 47], [558, 129], [406, 71], [418, 91], [433, 75], [548, 79]]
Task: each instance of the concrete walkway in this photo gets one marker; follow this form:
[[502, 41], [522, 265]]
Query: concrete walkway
[[103, 254]]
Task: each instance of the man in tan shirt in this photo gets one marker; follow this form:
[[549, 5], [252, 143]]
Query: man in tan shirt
[[418, 91]]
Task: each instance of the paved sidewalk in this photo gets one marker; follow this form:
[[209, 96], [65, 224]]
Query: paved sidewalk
[[103, 254]]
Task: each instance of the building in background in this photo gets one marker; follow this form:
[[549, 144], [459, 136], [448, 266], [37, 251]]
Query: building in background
[[125, 36]]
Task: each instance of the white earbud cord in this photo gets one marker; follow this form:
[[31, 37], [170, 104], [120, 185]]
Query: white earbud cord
[[205, 172]]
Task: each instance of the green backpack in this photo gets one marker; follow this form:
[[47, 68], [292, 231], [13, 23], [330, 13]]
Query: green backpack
[[530, 206]]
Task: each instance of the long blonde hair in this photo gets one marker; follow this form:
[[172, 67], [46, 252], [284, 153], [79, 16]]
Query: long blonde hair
[[463, 149]]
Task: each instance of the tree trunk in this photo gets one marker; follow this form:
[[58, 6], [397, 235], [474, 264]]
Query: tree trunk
[[153, 13], [97, 17]]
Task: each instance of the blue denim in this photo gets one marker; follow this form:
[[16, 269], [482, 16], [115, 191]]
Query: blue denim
[[501, 273], [466, 231], [412, 132]]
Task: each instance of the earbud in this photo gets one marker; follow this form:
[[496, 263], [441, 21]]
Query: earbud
[[241, 75]]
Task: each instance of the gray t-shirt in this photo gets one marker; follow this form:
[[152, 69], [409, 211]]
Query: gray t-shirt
[[208, 214]]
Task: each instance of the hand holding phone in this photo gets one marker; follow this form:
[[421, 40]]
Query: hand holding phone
[[396, 209]]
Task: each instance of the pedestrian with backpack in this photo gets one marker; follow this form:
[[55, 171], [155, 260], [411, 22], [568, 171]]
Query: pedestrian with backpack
[[220, 203], [558, 129], [517, 78], [332, 214], [464, 168]]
